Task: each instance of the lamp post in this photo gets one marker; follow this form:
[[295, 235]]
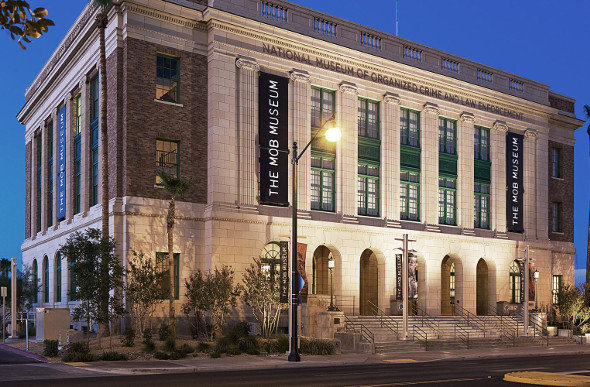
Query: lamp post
[[332, 307], [536, 277], [332, 135], [405, 255]]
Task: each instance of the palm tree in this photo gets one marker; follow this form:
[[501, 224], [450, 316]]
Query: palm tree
[[587, 111], [175, 187]]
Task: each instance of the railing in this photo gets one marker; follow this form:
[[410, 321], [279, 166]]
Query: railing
[[471, 319], [510, 335], [462, 334], [385, 320], [420, 335], [366, 334], [346, 304], [426, 319]]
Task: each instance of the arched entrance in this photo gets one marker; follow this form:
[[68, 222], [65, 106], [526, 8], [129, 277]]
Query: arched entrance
[[321, 272], [481, 283], [369, 282], [515, 283], [450, 285]]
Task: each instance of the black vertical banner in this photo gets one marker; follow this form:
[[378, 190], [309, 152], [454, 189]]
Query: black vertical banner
[[398, 276], [273, 137], [514, 182], [284, 279], [521, 267]]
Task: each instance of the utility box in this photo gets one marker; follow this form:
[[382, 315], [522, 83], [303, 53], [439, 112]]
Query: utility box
[[50, 321]]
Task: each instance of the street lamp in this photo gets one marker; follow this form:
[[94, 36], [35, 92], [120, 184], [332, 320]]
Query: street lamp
[[332, 134], [332, 307], [536, 277]]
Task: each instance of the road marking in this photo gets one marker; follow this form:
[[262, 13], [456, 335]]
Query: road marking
[[576, 372], [78, 364], [521, 369], [399, 360], [421, 382]]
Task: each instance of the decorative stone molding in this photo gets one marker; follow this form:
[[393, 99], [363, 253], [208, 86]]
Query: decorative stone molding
[[348, 88], [300, 76], [392, 98], [500, 126], [83, 81], [431, 108], [247, 63], [468, 117], [530, 133]]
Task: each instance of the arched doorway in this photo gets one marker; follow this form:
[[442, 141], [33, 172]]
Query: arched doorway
[[321, 273], [515, 283], [481, 285], [369, 282], [450, 285], [45, 280]]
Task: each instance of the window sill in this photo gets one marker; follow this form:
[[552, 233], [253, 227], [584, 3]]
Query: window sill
[[557, 178], [168, 103], [557, 232], [158, 186]]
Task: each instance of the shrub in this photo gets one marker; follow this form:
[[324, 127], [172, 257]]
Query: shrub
[[112, 356], [239, 330], [233, 350], [249, 345], [147, 340], [50, 349], [186, 349], [161, 355], [282, 343], [22, 333], [203, 347], [128, 338], [78, 352], [215, 355], [170, 344], [177, 354], [317, 347], [222, 345], [164, 332]]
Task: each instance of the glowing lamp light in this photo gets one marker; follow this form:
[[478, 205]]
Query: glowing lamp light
[[333, 134]]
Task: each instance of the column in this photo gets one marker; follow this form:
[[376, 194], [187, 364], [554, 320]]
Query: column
[[542, 186], [347, 152], [390, 158], [55, 165], [85, 162], [530, 184], [247, 129], [429, 166], [300, 120], [498, 188], [70, 159], [34, 182], [44, 144], [465, 172]]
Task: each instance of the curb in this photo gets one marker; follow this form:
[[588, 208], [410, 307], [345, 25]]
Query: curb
[[30, 355], [547, 378]]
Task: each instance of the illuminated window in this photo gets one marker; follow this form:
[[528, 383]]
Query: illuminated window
[[481, 206], [409, 195], [447, 190], [167, 158], [515, 283], [322, 183], [168, 78], [368, 189], [555, 288]]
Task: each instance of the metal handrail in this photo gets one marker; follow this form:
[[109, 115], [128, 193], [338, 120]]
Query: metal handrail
[[385, 321], [463, 334], [471, 319], [510, 335], [422, 336], [536, 326], [345, 303], [363, 330], [427, 319]]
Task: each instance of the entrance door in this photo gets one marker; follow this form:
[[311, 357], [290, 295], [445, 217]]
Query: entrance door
[[369, 283], [482, 288]]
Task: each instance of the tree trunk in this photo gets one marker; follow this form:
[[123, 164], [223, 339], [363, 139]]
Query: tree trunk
[[170, 222]]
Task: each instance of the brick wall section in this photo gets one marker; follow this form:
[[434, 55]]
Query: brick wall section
[[562, 190], [114, 122], [146, 120], [561, 104], [28, 149]]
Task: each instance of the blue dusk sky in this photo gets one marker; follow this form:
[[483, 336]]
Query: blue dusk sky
[[546, 41]]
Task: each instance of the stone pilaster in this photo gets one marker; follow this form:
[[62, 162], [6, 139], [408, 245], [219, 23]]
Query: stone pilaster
[[530, 184], [85, 162], [44, 144], [34, 182], [390, 158], [247, 129], [498, 189], [347, 152], [542, 186], [300, 113], [465, 172], [429, 166]]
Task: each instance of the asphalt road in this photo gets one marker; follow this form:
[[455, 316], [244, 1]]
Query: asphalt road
[[471, 372]]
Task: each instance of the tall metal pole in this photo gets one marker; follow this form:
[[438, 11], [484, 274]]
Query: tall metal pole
[[3, 315], [294, 354], [405, 284], [13, 298], [396, 18], [526, 291]]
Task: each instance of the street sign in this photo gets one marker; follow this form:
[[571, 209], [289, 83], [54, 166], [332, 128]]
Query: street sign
[[4, 291]]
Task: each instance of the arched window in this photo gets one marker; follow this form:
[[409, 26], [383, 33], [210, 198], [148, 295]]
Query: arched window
[[57, 277], [515, 283], [270, 257], [45, 280], [35, 279], [452, 285]]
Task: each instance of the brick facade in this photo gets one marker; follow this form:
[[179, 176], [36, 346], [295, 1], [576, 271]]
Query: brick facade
[[561, 190]]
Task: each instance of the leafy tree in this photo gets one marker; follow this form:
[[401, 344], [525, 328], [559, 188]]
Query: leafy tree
[[28, 289], [144, 292], [198, 301], [97, 275], [587, 111], [213, 293], [4, 267], [572, 306], [17, 17], [261, 291], [175, 187]]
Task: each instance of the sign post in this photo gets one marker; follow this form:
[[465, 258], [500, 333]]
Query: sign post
[[4, 294], [13, 298]]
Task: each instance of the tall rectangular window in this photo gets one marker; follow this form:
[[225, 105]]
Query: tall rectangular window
[[556, 217], [57, 278], [555, 288], [77, 152], [481, 207], [163, 267], [368, 189], [409, 195], [322, 183], [39, 182], [447, 191], [410, 127], [45, 280], [481, 144], [167, 158], [167, 78], [368, 118], [322, 106], [446, 135], [50, 174], [556, 162], [72, 293], [94, 142]]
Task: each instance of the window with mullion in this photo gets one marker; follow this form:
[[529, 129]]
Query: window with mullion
[[410, 127], [167, 78], [368, 189], [58, 278], [322, 106], [446, 201], [556, 162], [556, 217], [45, 280], [163, 267], [481, 206], [447, 130], [481, 144], [515, 283], [368, 118], [77, 171], [322, 183], [50, 174], [409, 195], [39, 180], [167, 158], [555, 288], [94, 112]]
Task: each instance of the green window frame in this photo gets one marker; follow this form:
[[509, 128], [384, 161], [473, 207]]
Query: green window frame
[[447, 201], [555, 288], [481, 206], [167, 78], [39, 179], [57, 278], [73, 292], [368, 118], [323, 193], [323, 106], [447, 135], [481, 143], [162, 267], [167, 158], [556, 213], [35, 280], [410, 195], [78, 113], [410, 127], [515, 283], [49, 174], [94, 142], [368, 189], [556, 163], [45, 280]]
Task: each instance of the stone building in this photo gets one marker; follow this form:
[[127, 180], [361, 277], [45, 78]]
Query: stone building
[[472, 162]]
